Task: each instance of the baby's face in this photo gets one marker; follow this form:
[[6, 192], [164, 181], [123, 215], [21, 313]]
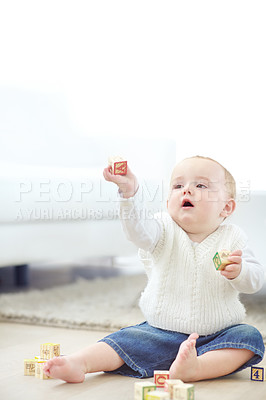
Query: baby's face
[[198, 200]]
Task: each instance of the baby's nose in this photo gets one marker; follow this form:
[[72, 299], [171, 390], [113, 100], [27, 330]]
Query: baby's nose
[[187, 189]]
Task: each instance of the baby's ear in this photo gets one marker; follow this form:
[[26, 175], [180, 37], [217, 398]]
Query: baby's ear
[[229, 208]]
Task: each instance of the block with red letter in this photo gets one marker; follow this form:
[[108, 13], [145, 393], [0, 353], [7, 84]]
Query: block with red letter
[[118, 165], [160, 377]]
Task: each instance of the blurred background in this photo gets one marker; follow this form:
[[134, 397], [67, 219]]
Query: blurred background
[[192, 71], [77, 77]]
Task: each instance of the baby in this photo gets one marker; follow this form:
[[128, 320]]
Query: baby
[[193, 313]]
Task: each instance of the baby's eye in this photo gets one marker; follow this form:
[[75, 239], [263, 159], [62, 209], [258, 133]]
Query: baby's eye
[[177, 186], [201, 186]]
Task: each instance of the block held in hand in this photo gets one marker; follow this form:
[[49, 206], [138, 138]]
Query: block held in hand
[[220, 259], [118, 165]]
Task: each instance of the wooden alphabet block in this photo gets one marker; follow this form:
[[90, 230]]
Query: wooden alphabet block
[[184, 392], [220, 259], [29, 367], [169, 386], [49, 350], [160, 377], [157, 395], [118, 165], [258, 373], [39, 370], [142, 388]]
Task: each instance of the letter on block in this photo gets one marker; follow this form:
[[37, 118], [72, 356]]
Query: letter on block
[[220, 259], [118, 165], [157, 395], [184, 392], [258, 373], [160, 377], [29, 367], [50, 350], [169, 386], [142, 388]]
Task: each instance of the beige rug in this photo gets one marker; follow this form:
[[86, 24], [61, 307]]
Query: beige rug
[[100, 304]]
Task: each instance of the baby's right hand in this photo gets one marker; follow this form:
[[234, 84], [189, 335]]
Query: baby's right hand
[[128, 184]]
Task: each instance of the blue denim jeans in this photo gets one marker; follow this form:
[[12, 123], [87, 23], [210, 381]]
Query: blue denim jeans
[[145, 348]]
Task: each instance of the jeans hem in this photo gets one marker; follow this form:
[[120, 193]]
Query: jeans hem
[[125, 357], [258, 354], [231, 345]]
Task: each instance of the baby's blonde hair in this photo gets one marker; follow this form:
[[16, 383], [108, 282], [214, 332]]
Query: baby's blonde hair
[[230, 183]]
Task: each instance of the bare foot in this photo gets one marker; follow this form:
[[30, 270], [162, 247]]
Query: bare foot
[[186, 365], [67, 368]]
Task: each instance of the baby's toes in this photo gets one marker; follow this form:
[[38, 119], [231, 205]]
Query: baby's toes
[[185, 351], [46, 366]]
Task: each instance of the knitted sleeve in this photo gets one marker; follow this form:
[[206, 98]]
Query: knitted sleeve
[[252, 275], [149, 258], [139, 227]]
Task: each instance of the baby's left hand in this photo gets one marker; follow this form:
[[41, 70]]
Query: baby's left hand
[[232, 271]]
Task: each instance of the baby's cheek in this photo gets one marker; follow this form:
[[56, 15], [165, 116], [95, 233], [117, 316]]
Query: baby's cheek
[[211, 195]]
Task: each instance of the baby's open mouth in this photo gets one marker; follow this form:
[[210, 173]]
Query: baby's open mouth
[[186, 204]]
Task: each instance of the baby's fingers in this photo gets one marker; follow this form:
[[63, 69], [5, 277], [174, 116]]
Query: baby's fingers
[[230, 268], [227, 274], [107, 175], [235, 259], [236, 253], [231, 271], [118, 179]]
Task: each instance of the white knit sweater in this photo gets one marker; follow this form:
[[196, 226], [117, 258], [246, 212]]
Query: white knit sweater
[[185, 293]]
